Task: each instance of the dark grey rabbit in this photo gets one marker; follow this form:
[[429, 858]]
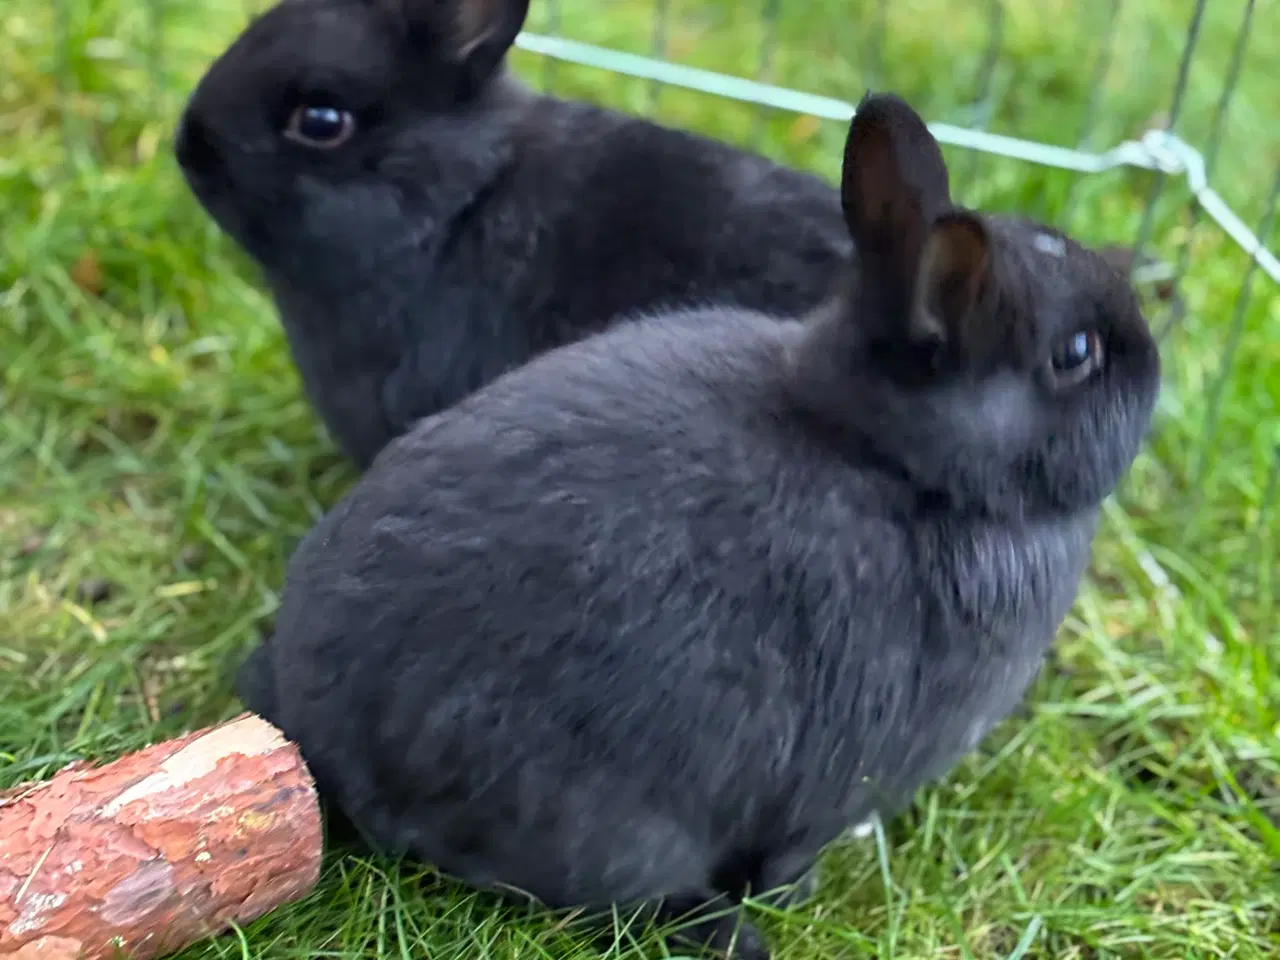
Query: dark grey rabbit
[[425, 222], [657, 616]]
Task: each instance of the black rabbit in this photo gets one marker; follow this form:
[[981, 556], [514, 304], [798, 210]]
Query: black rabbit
[[660, 614], [425, 222]]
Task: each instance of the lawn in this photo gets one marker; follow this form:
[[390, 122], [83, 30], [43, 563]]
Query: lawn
[[157, 463]]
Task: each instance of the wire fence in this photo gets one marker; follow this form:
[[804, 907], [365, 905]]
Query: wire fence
[[788, 64], [1159, 150], [1177, 196]]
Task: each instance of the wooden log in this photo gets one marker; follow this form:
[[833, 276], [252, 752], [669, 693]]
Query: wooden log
[[159, 849]]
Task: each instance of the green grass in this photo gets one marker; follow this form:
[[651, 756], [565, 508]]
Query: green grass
[[152, 436]]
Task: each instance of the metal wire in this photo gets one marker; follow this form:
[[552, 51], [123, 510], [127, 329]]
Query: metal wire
[[1266, 580], [1175, 112], [874, 56], [986, 72], [549, 63], [1234, 330], [659, 47], [1212, 143], [72, 132], [772, 11], [1088, 123]]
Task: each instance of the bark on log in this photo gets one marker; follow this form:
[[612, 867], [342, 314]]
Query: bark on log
[[159, 849]]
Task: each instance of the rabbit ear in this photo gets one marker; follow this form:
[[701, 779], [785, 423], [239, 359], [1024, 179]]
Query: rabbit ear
[[950, 278], [894, 184], [488, 28], [477, 33]]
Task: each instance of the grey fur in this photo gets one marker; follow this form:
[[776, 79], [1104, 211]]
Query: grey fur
[[661, 614]]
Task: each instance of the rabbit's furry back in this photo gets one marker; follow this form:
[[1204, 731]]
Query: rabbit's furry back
[[632, 660], [468, 223], [660, 614]]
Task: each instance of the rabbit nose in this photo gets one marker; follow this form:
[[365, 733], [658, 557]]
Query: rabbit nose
[[194, 148]]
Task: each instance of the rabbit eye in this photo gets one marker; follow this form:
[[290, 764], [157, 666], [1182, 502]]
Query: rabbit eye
[[1076, 358], [320, 125]]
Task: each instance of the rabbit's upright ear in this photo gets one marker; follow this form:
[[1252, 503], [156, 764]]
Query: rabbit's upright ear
[[894, 182], [488, 28], [926, 261], [950, 279], [473, 33]]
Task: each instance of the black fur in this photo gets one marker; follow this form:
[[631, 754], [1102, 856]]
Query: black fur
[[470, 224], [659, 615]]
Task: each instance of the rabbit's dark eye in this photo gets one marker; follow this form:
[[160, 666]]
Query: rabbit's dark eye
[[320, 125], [1076, 357]]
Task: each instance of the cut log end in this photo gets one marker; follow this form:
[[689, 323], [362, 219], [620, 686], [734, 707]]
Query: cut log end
[[158, 849]]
